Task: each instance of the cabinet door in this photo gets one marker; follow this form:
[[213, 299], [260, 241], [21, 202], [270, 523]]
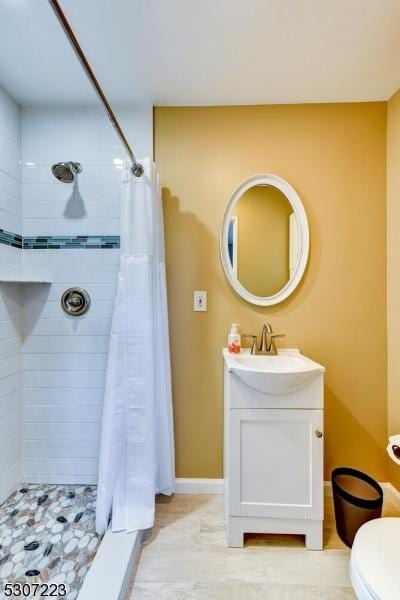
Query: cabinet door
[[276, 467]]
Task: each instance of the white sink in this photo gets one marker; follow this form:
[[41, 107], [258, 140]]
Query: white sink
[[284, 373]]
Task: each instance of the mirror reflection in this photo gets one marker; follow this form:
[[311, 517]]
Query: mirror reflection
[[263, 240]]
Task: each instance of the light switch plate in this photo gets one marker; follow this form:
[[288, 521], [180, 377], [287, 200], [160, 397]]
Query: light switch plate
[[199, 301]]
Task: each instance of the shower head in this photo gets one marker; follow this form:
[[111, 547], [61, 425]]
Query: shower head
[[66, 171]]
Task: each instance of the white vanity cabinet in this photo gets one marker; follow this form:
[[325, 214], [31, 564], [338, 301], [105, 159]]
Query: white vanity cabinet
[[273, 449]]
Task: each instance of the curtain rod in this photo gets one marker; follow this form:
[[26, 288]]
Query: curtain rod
[[137, 168]]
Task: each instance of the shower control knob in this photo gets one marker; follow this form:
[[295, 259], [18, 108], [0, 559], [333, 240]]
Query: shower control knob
[[318, 433], [75, 302]]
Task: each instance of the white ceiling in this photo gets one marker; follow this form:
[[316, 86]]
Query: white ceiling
[[203, 52]]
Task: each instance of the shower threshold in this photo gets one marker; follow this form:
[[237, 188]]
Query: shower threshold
[[49, 546]]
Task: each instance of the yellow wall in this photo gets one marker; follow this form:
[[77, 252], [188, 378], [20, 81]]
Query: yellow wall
[[263, 240], [334, 155], [393, 218]]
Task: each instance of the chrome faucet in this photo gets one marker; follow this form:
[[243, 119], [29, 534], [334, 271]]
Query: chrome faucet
[[267, 344], [266, 330]]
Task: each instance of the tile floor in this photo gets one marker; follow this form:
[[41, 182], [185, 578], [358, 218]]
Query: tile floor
[[47, 535], [184, 557]]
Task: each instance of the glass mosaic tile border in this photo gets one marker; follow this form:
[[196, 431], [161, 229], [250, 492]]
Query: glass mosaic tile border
[[10, 239], [57, 242]]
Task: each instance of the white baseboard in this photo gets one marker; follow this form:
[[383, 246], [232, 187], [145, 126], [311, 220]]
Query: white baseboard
[[389, 492], [199, 486], [193, 485]]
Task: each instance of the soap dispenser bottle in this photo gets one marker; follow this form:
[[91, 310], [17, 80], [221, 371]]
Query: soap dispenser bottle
[[234, 339]]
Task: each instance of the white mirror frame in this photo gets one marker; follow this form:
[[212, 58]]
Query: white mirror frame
[[304, 239]]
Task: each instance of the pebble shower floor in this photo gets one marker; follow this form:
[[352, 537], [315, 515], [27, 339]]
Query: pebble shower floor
[[47, 536]]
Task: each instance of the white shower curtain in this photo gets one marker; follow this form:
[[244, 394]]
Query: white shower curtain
[[136, 449]]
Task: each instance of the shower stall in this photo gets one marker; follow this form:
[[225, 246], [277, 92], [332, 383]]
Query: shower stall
[[62, 170]]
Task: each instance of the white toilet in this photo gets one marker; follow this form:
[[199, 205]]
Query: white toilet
[[375, 560]]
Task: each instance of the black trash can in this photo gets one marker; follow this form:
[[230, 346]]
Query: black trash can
[[357, 499]]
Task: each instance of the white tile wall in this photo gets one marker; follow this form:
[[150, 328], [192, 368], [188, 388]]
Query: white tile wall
[[65, 357], [56, 344], [10, 299], [52, 367]]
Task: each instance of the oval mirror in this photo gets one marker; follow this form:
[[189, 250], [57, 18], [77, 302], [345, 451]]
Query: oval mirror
[[264, 240]]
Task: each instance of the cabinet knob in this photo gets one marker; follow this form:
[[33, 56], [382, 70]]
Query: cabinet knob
[[318, 433]]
